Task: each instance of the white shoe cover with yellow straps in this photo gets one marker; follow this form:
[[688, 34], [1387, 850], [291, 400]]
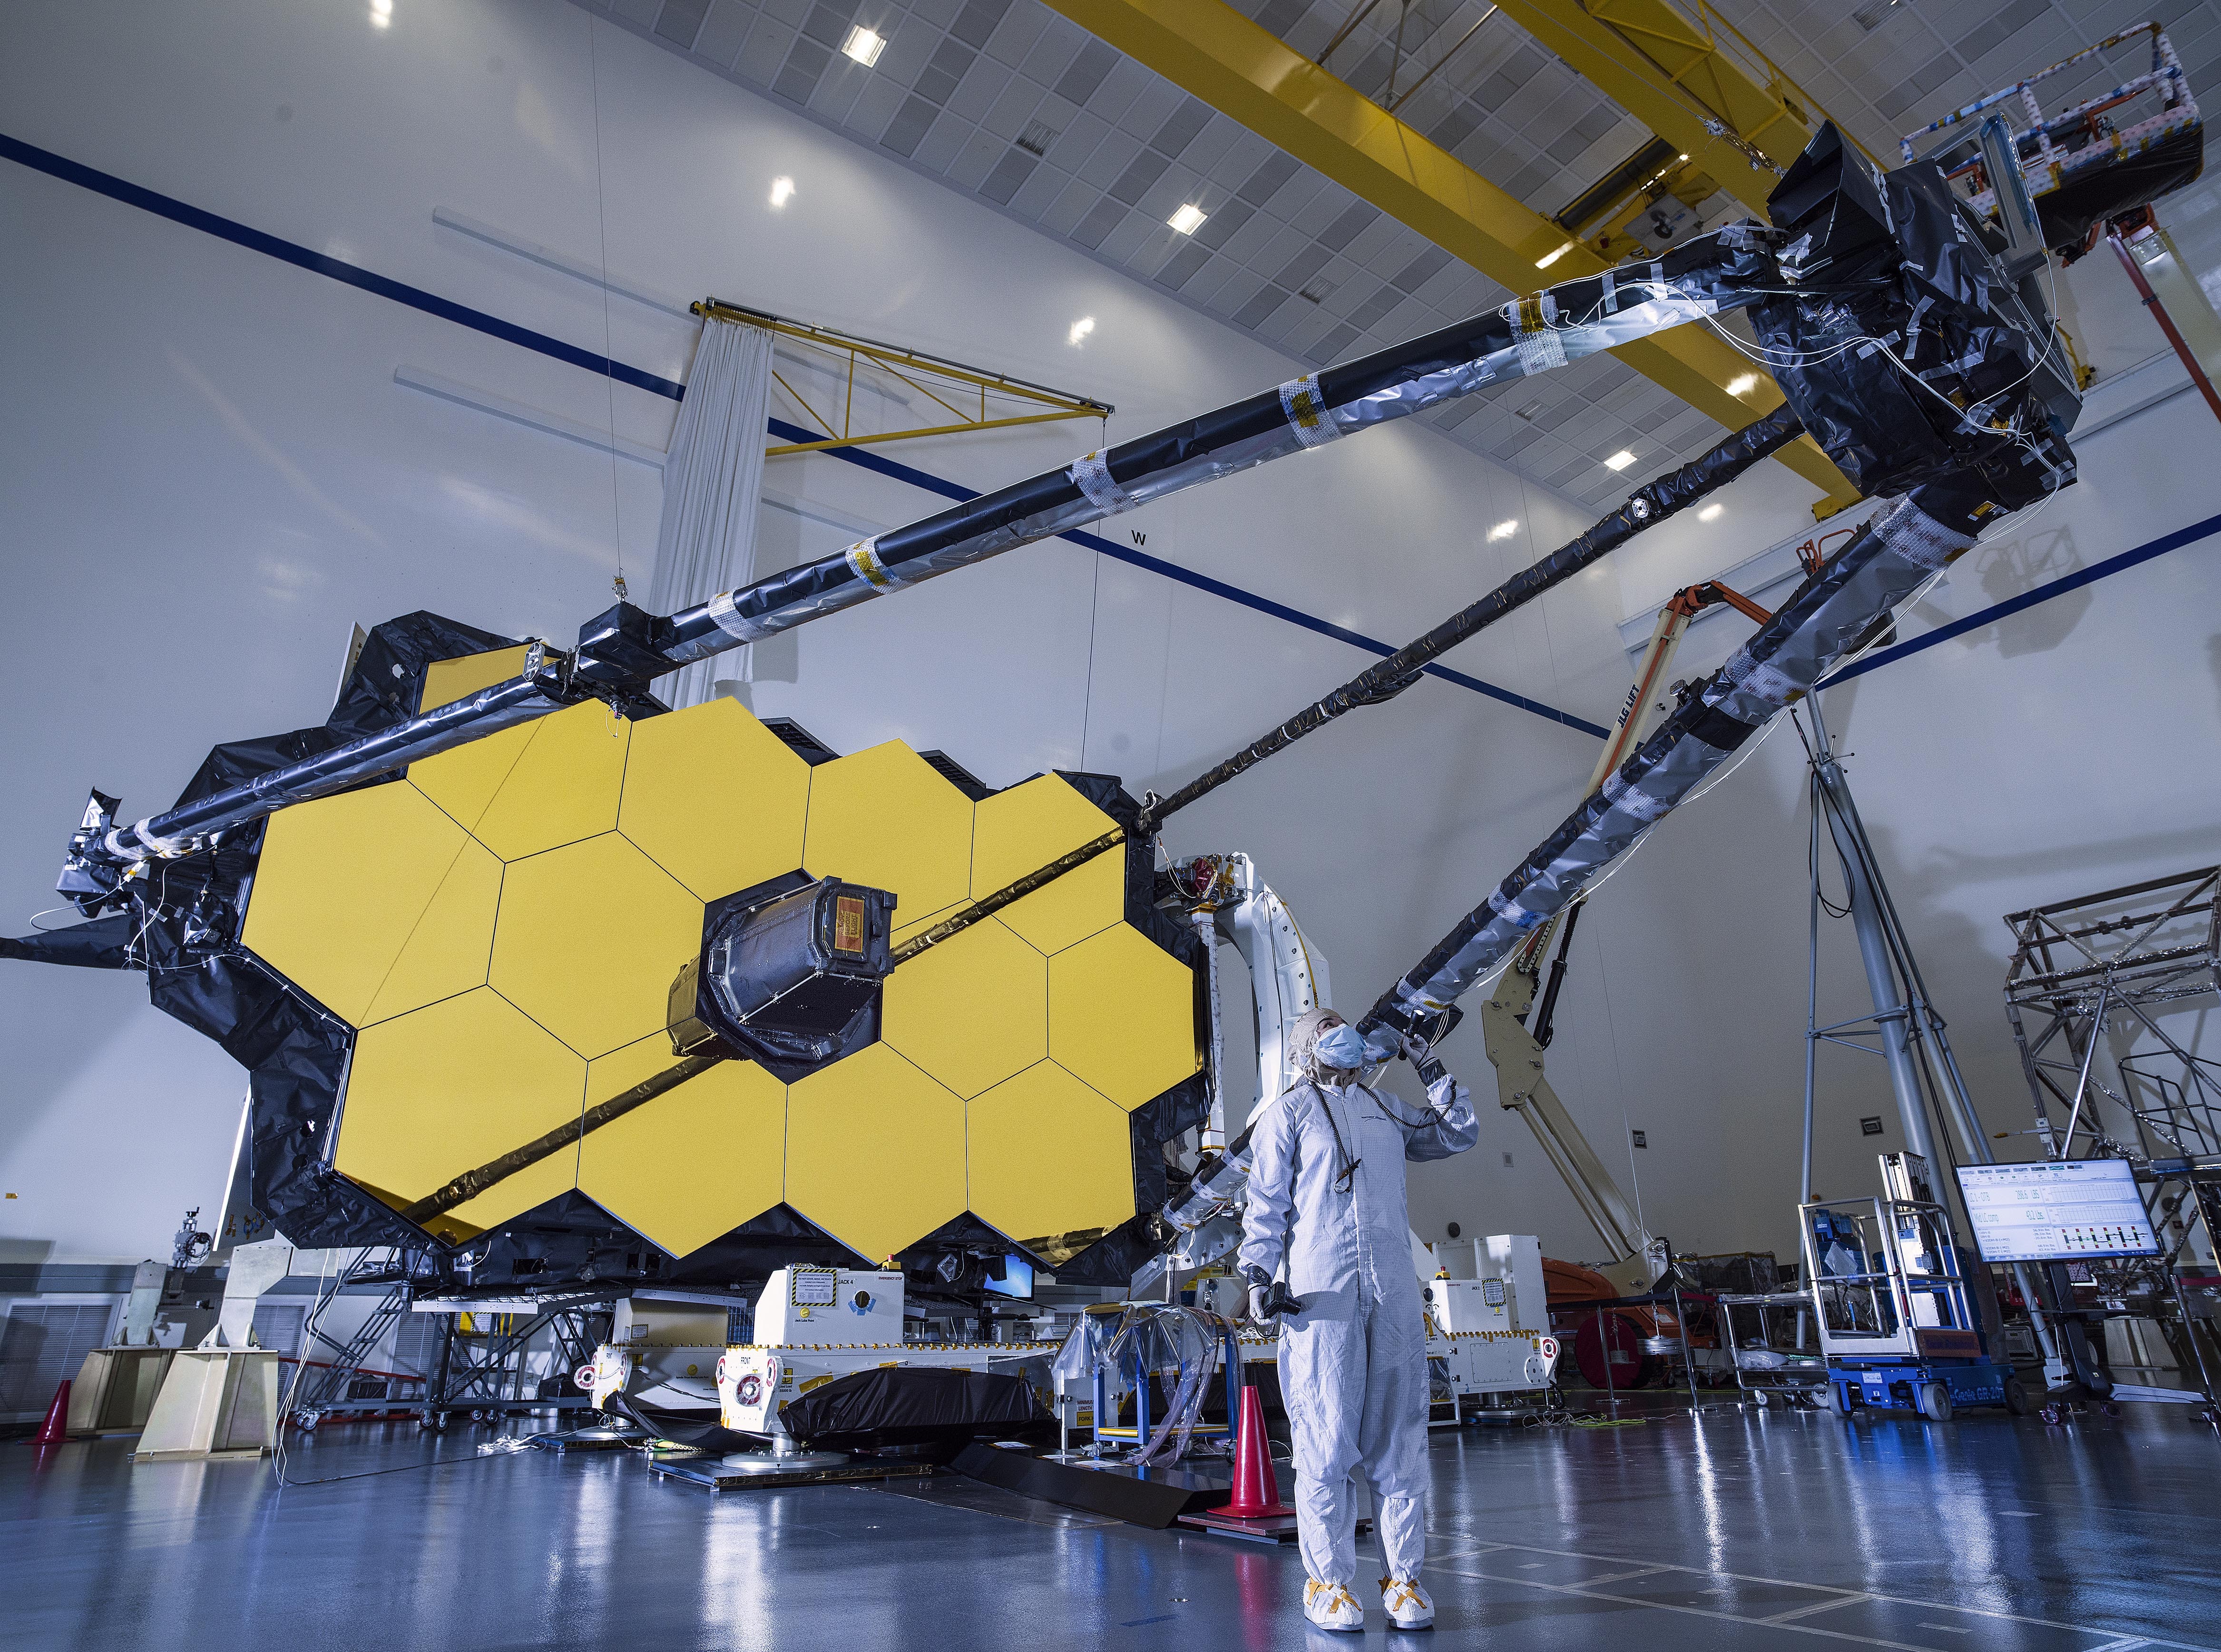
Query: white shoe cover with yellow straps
[[1406, 1603], [1331, 1605]]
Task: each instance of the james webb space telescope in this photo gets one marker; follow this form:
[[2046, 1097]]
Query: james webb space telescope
[[524, 964]]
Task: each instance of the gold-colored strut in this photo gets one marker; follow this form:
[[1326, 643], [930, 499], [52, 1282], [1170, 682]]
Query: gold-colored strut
[[952, 386]]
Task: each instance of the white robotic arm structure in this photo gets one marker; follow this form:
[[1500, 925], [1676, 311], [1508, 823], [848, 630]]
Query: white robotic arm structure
[[1287, 977]]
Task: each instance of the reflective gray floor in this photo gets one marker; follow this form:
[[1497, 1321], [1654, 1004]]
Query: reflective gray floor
[[1738, 1531]]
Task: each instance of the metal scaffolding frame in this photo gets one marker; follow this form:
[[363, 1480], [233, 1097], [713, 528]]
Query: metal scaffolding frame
[[474, 1369], [2115, 959], [2106, 970], [322, 1387], [486, 1370]]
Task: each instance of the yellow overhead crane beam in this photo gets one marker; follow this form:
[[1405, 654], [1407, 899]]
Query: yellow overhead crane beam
[[1694, 80], [1215, 54]]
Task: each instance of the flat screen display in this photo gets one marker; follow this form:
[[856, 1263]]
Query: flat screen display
[[2053, 1212], [1018, 1279]]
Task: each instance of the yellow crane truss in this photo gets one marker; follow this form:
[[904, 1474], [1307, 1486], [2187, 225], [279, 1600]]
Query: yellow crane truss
[[953, 386]]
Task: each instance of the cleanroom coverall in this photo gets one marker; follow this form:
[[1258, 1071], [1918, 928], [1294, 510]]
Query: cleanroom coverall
[[1353, 1363]]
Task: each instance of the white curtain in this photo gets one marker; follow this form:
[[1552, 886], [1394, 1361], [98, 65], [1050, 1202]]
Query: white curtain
[[711, 482]]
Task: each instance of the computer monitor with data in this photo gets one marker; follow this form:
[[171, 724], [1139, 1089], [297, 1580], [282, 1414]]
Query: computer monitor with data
[[2069, 1210]]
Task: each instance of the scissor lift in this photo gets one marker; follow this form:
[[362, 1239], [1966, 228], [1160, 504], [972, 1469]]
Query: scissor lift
[[1896, 1325]]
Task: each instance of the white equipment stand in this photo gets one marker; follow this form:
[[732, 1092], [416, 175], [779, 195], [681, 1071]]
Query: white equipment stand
[[220, 1400], [115, 1385]]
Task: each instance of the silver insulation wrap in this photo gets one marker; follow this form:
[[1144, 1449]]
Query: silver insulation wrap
[[183, 829], [624, 650], [1828, 617], [1309, 425], [1526, 336], [1091, 474]]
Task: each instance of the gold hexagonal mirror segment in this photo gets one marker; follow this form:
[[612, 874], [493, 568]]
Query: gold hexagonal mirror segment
[[588, 941], [874, 1152], [715, 798], [1122, 1016], [1029, 826], [970, 1011], [563, 785], [1051, 1159], [885, 817], [694, 1163], [372, 902], [448, 1088], [480, 988]]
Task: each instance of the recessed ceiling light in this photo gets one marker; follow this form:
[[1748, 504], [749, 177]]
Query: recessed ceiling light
[[1550, 257], [1710, 513], [381, 13], [1080, 329], [1620, 460], [782, 191], [1504, 530], [1188, 219], [864, 44], [1742, 383]]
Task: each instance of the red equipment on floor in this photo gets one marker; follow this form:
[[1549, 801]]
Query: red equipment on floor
[[55, 1429], [1256, 1492]]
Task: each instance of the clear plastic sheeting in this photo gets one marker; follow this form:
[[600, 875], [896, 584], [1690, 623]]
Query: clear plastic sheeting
[[1831, 615], [1150, 1340]]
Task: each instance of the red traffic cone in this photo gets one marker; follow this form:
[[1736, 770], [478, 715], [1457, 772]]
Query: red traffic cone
[[1256, 1493], [55, 1429]]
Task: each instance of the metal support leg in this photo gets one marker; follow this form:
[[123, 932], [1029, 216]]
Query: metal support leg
[[1892, 1010], [2174, 338], [1688, 1356], [1882, 946], [1811, 995], [1233, 1344]]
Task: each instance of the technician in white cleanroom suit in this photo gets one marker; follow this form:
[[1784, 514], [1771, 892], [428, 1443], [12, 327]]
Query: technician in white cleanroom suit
[[1326, 1202]]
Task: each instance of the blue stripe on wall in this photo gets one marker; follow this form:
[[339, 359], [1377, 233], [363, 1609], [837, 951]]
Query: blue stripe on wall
[[286, 252], [2043, 593], [401, 292]]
